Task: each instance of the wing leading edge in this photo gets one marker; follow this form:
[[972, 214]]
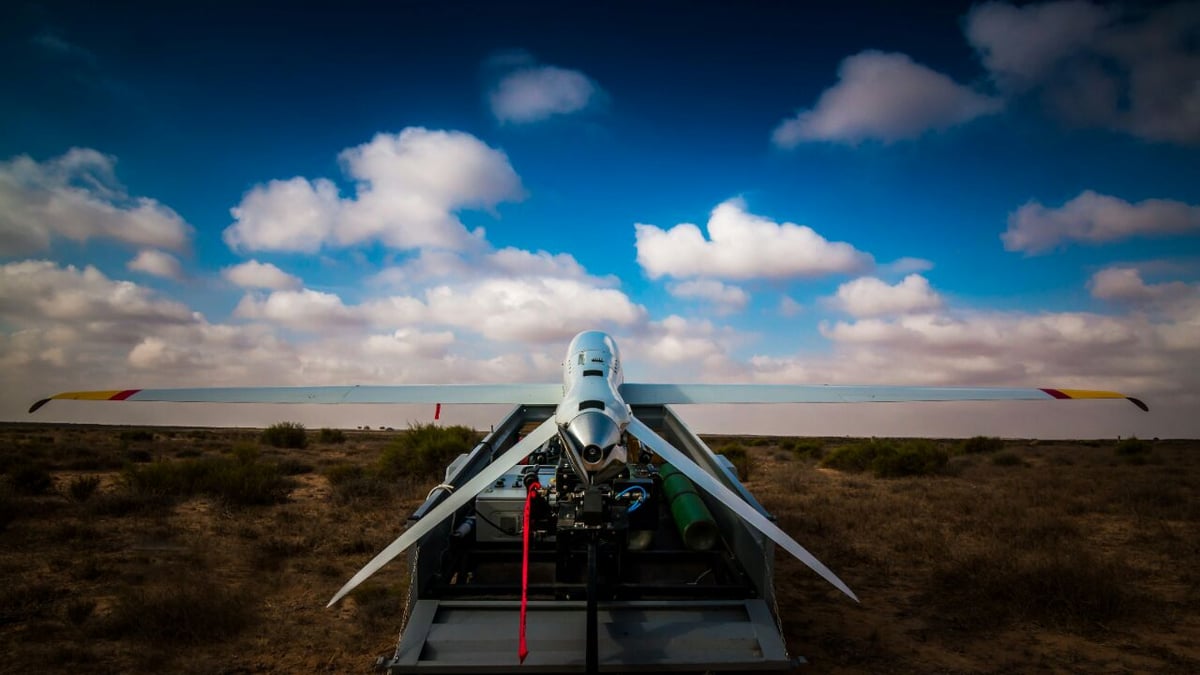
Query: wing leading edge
[[672, 394], [529, 394]]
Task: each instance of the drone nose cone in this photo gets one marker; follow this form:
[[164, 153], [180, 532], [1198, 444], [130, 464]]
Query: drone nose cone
[[594, 431]]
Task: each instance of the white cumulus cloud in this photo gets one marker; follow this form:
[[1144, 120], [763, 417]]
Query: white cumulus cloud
[[788, 307], [885, 97], [680, 349], [869, 296], [285, 215], [1019, 45], [303, 309], [1125, 69], [255, 274], [741, 245], [1125, 285], [408, 188], [157, 263], [727, 298], [534, 310], [1096, 219], [76, 196], [33, 290], [1068, 349], [536, 93], [472, 265]]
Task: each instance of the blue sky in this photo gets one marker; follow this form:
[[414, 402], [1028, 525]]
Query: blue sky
[[966, 194]]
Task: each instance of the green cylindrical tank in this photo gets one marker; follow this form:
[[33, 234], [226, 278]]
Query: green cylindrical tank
[[692, 517]]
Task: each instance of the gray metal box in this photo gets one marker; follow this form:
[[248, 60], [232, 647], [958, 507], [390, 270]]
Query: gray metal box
[[500, 508]]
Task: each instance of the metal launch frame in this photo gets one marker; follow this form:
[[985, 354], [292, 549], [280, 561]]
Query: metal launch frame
[[662, 608]]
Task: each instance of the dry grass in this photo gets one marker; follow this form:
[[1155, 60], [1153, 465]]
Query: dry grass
[[1068, 557], [1065, 557]]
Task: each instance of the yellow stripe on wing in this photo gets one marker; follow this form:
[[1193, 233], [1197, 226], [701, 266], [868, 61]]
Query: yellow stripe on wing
[[88, 395], [106, 395], [1092, 393]]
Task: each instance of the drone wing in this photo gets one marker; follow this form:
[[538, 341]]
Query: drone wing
[[666, 394], [711, 485], [529, 394], [450, 504]]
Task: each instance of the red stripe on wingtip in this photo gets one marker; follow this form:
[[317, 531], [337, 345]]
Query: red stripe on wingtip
[[1056, 393], [122, 395]]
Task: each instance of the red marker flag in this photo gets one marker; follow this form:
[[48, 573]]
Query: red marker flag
[[522, 647]]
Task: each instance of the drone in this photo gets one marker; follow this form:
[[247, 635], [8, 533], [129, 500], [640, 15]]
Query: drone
[[619, 514]]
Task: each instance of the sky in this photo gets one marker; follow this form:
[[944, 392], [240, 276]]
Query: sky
[[427, 192]]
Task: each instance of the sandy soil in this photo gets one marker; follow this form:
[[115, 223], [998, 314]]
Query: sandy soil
[[1061, 557]]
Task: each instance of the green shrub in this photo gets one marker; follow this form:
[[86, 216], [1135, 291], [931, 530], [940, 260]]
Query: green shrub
[[1056, 584], [236, 482], [22, 600], [425, 450], [293, 467], [272, 552], [378, 604], [71, 530], [135, 435], [188, 612], [857, 456], [285, 435], [980, 444], [806, 447], [888, 458], [364, 488], [79, 609], [245, 453], [739, 457], [331, 436], [124, 502], [9, 508], [910, 458], [341, 473], [1132, 446], [30, 479], [90, 460], [81, 488], [352, 483], [1007, 459]]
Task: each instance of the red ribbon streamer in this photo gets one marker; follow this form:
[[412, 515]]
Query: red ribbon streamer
[[522, 648]]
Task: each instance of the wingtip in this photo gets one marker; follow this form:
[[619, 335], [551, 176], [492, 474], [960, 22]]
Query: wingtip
[[34, 408], [1139, 403]]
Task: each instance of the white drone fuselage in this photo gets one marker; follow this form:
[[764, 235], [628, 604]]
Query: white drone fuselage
[[592, 417]]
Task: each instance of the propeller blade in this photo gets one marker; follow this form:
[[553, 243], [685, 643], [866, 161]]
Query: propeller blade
[[461, 496], [746, 512]]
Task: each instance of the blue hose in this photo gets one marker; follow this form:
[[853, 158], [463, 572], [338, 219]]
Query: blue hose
[[641, 500]]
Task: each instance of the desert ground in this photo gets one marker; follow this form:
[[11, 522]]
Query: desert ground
[[211, 551]]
